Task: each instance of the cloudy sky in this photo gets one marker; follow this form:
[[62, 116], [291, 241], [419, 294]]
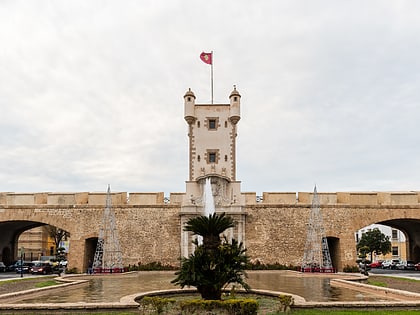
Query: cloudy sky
[[91, 92]]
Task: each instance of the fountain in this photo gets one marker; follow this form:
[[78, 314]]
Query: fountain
[[209, 207], [101, 289]]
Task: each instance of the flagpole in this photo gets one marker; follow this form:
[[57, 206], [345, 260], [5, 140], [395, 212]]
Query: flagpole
[[212, 61]]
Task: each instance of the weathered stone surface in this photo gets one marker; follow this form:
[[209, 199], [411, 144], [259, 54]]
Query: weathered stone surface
[[274, 232]]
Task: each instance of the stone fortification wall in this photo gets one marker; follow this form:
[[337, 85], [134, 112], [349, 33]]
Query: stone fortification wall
[[87, 198], [137, 198], [150, 229], [327, 198]]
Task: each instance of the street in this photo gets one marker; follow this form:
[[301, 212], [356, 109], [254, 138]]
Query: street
[[412, 274]]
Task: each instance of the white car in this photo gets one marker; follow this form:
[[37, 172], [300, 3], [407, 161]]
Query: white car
[[390, 264]]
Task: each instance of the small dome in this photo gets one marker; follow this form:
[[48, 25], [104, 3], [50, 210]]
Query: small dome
[[234, 92], [189, 93]]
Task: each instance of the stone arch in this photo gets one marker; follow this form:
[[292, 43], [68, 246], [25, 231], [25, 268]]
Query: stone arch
[[90, 242], [409, 225], [410, 228], [6, 256], [11, 230], [334, 248]]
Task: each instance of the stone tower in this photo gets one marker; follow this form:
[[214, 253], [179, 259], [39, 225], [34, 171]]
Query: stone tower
[[212, 132]]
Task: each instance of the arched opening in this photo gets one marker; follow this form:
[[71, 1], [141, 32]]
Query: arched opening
[[6, 256], [29, 239], [334, 248], [405, 241], [90, 247]]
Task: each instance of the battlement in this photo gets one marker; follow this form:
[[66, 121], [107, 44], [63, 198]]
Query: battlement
[[342, 198], [87, 198], [158, 198]]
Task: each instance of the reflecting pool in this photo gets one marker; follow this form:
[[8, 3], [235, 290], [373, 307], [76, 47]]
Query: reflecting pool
[[112, 287]]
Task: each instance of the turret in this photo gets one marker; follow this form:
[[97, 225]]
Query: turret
[[189, 103], [235, 106]]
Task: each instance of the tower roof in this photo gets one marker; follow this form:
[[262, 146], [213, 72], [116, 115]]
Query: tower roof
[[234, 92], [189, 93]]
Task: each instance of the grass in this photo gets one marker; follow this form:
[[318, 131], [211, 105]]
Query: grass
[[293, 312], [377, 283], [47, 283], [351, 312]]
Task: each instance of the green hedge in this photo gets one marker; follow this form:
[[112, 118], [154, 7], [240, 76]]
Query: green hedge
[[231, 306]]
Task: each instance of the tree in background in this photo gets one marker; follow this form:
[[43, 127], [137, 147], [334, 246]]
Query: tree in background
[[57, 235], [374, 241], [214, 263]]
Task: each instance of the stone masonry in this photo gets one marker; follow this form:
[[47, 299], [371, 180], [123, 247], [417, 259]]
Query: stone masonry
[[149, 227]]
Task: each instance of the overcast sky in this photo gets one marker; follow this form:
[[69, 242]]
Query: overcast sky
[[91, 92]]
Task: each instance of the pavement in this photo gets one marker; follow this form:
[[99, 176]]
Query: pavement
[[409, 274]]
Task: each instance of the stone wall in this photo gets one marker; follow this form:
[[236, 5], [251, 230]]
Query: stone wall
[[150, 230]]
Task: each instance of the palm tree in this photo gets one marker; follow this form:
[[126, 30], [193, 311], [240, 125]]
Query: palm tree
[[209, 228], [216, 262]]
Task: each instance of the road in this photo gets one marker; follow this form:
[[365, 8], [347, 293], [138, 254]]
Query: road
[[13, 275], [411, 274]]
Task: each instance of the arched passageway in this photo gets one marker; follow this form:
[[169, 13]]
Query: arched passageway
[[10, 232], [334, 248], [410, 228], [90, 247], [11, 240]]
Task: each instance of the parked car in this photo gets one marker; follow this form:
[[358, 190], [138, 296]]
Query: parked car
[[41, 267], [390, 264], [401, 265], [376, 264], [362, 266], [410, 265], [2, 267], [12, 267], [417, 266], [25, 268]]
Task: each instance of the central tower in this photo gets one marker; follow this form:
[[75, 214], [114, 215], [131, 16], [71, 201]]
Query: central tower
[[212, 132]]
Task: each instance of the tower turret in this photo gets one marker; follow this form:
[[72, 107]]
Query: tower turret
[[235, 106], [189, 105]]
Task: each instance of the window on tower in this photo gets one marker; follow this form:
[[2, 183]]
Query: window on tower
[[212, 123], [212, 157]]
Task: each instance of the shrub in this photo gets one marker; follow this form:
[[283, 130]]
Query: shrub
[[72, 270], [156, 304], [348, 268], [257, 265], [231, 306], [286, 301], [151, 266]]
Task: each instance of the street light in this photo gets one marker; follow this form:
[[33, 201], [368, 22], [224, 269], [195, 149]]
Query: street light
[[22, 252]]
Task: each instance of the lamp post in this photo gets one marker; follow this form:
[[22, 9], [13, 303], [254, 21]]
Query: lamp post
[[22, 252]]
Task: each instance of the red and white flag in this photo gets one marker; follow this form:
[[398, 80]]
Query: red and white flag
[[207, 57]]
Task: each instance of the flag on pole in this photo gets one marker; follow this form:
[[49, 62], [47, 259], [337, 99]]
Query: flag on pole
[[207, 57]]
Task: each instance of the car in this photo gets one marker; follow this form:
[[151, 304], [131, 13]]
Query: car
[[2, 267], [63, 263], [376, 264], [390, 264], [24, 268], [410, 265], [417, 266], [41, 267], [401, 265], [12, 267], [364, 267]]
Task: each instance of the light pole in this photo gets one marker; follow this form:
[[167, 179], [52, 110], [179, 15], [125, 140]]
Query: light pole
[[22, 252]]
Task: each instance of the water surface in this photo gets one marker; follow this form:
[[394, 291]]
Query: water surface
[[111, 288]]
